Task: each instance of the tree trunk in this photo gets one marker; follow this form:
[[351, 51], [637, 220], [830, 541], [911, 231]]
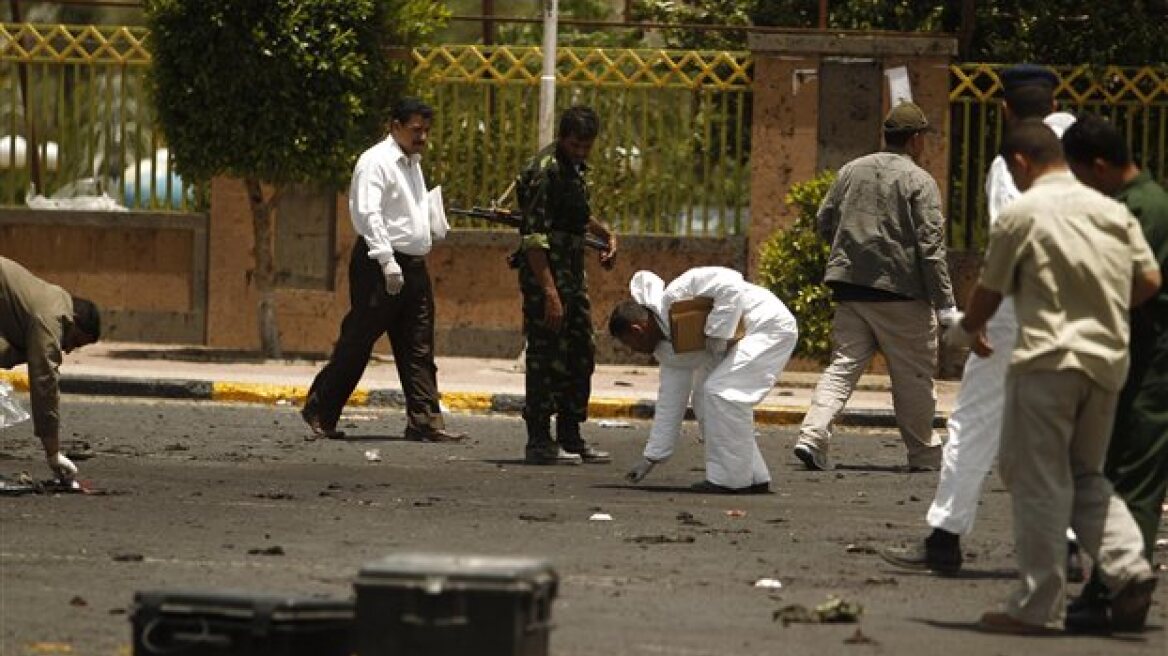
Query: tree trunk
[[264, 273]]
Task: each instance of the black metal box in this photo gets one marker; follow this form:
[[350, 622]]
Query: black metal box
[[227, 623], [451, 605]]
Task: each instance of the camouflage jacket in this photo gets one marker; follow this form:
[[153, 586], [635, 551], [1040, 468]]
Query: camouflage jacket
[[553, 197]]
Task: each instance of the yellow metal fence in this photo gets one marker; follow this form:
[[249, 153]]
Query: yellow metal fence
[[92, 123], [673, 153], [673, 156], [1134, 99]]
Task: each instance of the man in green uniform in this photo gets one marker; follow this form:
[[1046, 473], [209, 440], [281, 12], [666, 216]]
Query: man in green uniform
[[1137, 457], [557, 318]]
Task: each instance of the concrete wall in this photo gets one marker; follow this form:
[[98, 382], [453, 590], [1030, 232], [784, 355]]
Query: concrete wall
[[477, 296], [788, 143], [145, 270]]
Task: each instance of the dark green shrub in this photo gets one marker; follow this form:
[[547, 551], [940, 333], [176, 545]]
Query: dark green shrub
[[791, 265]]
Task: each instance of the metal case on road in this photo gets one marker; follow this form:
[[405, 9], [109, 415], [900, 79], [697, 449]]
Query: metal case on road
[[454, 605], [223, 623]]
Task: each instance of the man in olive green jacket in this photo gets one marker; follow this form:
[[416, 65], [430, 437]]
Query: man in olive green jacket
[[38, 322]]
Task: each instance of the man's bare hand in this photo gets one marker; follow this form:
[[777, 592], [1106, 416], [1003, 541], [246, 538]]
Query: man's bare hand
[[553, 311], [981, 345], [608, 257]]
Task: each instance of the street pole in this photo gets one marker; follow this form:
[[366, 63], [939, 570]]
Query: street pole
[[547, 81]]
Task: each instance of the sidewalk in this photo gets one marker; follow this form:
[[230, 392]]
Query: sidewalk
[[467, 384]]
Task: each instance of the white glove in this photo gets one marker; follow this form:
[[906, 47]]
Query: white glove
[[947, 316], [394, 280], [717, 347], [640, 471], [62, 467], [956, 337]]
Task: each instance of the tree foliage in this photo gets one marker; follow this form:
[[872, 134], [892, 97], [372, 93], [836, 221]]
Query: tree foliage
[[792, 262], [280, 90], [1123, 32], [275, 92]]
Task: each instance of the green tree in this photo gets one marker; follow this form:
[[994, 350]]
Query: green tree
[[792, 262], [276, 92], [1123, 32], [696, 12]]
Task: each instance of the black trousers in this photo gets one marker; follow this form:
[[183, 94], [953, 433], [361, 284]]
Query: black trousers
[[407, 318]]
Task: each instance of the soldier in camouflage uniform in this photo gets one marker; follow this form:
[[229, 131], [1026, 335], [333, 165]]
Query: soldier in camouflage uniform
[[557, 318]]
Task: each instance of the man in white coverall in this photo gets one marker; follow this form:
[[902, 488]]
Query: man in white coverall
[[975, 425], [725, 380]]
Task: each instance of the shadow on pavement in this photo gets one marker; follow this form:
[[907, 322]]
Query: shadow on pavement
[[671, 489], [972, 626], [964, 573], [349, 437]]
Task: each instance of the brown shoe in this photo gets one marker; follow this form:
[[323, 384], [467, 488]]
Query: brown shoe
[[319, 430], [1007, 624], [437, 435], [1129, 606]]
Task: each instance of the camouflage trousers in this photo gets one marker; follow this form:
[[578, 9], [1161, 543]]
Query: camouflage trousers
[[559, 364]]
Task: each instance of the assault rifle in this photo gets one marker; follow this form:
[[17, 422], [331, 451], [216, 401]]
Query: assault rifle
[[515, 220]]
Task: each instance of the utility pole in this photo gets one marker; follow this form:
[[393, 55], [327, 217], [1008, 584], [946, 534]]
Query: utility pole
[[32, 147], [547, 81], [823, 14], [488, 22]]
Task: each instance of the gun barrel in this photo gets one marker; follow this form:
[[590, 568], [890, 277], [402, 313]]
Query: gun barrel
[[514, 220]]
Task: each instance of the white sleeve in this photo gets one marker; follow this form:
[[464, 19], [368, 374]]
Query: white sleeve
[[1000, 189], [367, 194], [672, 401]]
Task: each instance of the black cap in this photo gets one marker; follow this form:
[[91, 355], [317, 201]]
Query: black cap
[[1028, 74]]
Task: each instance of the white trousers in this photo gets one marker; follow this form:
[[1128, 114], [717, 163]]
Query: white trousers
[[975, 428], [724, 401]]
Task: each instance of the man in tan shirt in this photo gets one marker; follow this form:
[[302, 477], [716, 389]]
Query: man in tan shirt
[[38, 322], [1074, 261]]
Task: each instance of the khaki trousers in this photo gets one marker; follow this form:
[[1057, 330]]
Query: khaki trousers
[[906, 332], [1055, 429]]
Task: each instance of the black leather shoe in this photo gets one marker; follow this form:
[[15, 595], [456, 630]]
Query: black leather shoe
[[936, 554], [706, 487], [436, 435], [1088, 615]]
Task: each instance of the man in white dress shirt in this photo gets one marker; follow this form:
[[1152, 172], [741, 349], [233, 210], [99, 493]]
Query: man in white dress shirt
[[389, 286], [725, 379]]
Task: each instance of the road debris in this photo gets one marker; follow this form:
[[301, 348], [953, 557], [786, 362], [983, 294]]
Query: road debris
[[769, 584], [613, 423], [600, 517], [274, 550], [687, 519], [834, 610], [373, 455], [275, 495], [661, 539], [78, 601], [860, 549], [128, 557], [736, 513], [858, 638], [550, 517]]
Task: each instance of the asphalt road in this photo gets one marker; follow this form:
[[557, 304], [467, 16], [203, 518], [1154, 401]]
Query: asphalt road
[[200, 494]]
